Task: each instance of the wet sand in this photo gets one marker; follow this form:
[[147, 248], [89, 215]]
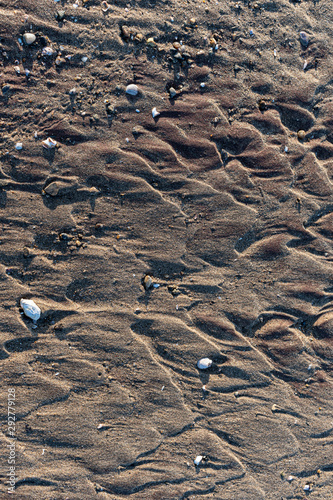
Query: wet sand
[[225, 200]]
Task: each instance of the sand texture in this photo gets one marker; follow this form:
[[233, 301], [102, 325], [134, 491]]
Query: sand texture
[[224, 201]]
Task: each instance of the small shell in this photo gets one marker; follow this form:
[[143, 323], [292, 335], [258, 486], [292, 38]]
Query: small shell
[[29, 38], [105, 6], [198, 460], [47, 51], [18, 146], [204, 363], [30, 309], [155, 113], [132, 89], [151, 42], [49, 143]]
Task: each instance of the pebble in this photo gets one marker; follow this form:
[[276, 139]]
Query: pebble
[[204, 363], [198, 460], [29, 38], [52, 189], [301, 135], [304, 39], [132, 89], [30, 309], [172, 92], [60, 16], [18, 146], [147, 282]]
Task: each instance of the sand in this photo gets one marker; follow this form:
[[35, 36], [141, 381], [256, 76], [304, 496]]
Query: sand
[[225, 200]]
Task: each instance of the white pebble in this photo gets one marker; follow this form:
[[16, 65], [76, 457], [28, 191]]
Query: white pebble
[[132, 89], [18, 146], [29, 38], [198, 459], [30, 309], [204, 363]]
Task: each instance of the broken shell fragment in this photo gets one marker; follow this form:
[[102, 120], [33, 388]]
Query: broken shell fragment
[[198, 460], [132, 89], [204, 363], [30, 309], [147, 282], [105, 6], [47, 51], [49, 143], [155, 113], [29, 38]]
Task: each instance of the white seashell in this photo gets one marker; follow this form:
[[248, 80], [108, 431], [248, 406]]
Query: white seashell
[[17, 69], [307, 487], [204, 363], [47, 51], [198, 459], [155, 113], [132, 89], [18, 146], [49, 143], [84, 59], [29, 38], [290, 478], [30, 309]]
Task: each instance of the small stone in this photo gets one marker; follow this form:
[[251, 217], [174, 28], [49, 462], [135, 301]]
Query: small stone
[[204, 363], [18, 146], [29, 38], [60, 15], [193, 21], [198, 460], [262, 105], [147, 282], [26, 252], [125, 33], [52, 189], [301, 135], [132, 89], [30, 309], [172, 92], [304, 39]]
